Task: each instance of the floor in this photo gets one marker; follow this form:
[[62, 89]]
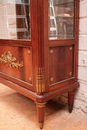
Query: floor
[[19, 113]]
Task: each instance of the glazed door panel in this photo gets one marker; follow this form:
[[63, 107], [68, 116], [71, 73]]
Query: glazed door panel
[[61, 19], [15, 19]]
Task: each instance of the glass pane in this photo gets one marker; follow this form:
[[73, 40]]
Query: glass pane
[[14, 19], [61, 19]]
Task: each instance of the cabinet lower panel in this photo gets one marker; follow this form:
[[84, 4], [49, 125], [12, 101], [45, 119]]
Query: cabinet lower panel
[[61, 64], [16, 62]]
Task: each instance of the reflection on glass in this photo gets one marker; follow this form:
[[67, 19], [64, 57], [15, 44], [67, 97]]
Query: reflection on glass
[[61, 19], [14, 19]]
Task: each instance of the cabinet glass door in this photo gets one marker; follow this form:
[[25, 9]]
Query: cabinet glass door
[[15, 19], [61, 19]]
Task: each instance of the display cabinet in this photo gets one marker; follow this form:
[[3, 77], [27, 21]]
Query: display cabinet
[[39, 49]]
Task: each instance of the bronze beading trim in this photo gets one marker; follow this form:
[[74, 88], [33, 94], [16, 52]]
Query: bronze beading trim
[[41, 124], [73, 92], [75, 19], [40, 81], [10, 61], [40, 105]]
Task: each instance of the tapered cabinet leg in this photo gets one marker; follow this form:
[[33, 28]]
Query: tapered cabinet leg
[[40, 113], [71, 100]]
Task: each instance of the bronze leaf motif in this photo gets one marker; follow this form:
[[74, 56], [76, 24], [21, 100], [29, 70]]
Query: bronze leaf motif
[[10, 61]]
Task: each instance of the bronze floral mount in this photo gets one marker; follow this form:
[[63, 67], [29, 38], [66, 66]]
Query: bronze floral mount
[[10, 61]]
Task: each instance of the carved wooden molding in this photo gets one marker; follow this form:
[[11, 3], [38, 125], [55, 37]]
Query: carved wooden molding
[[10, 61]]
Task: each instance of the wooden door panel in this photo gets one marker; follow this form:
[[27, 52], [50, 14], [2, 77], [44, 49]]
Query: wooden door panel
[[61, 63], [16, 62]]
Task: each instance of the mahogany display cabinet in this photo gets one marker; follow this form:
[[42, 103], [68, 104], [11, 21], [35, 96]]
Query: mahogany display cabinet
[[39, 49]]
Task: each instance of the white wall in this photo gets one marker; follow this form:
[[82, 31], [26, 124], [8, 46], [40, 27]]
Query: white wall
[[81, 96]]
